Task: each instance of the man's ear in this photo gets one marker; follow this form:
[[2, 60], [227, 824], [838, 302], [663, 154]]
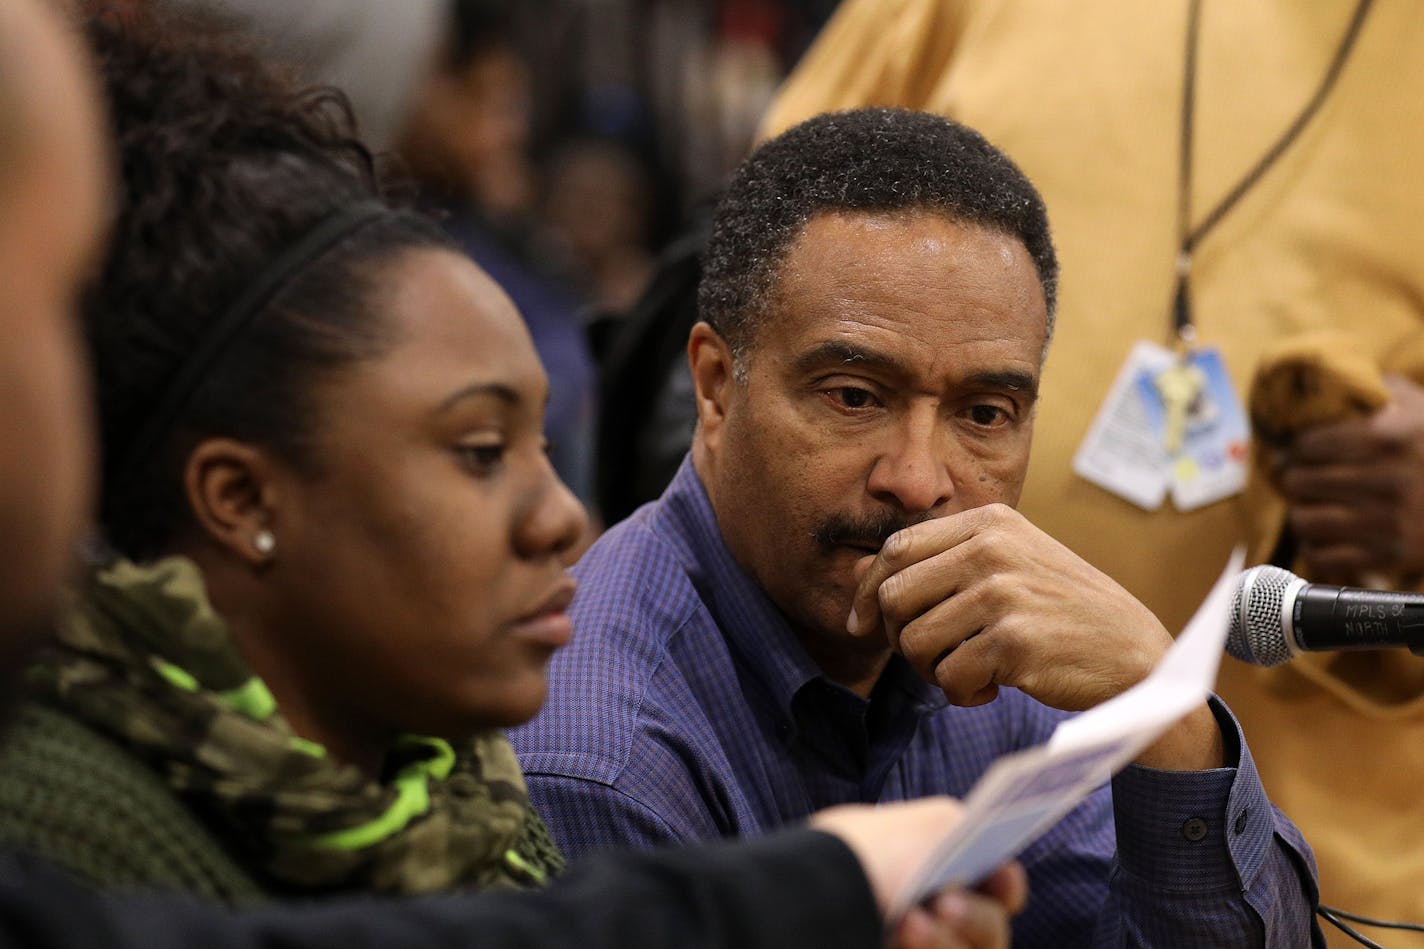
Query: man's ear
[[710, 359], [231, 490]]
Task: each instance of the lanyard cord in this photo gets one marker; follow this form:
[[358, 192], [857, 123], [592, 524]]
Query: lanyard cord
[[1189, 237]]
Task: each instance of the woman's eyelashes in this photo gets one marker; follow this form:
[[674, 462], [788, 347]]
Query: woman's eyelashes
[[482, 457]]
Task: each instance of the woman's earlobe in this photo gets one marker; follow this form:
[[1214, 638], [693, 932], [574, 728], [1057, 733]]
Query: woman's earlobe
[[265, 543], [231, 492]]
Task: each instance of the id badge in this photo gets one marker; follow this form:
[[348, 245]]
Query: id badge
[[1126, 450]]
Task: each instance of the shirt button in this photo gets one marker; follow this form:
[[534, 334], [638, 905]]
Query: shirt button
[[1241, 821], [1194, 829]]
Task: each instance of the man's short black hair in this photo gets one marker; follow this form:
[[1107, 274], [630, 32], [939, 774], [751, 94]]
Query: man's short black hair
[[867, 161]]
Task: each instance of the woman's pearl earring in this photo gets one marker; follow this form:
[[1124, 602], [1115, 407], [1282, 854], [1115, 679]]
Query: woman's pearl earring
[[265, 542]]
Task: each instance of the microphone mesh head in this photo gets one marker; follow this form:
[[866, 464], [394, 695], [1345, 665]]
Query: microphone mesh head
[[1255, 634]]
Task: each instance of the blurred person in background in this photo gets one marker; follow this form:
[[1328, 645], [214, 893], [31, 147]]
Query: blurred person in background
[[597, 217]]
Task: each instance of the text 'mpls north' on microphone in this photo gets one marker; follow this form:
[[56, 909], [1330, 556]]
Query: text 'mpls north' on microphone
[[1276, 615]]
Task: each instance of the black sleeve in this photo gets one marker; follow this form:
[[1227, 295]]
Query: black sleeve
[[800, 888]]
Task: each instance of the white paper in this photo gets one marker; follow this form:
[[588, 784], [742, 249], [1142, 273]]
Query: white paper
[[1025, 793]]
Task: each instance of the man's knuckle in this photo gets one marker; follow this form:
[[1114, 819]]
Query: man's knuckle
[[997, 512], [996, 591], [894, 551], [891, 595], [950, 684]]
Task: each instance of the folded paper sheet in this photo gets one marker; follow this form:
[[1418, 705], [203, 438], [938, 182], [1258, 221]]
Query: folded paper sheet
[[1024, 794]]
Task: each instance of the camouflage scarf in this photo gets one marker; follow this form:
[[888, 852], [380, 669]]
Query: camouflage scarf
[[139, 655]]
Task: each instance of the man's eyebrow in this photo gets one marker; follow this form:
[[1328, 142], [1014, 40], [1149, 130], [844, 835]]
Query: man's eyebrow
[[839, 352], [1010, 380]]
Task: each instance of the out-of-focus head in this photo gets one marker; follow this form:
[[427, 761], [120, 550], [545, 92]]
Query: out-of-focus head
[[598, 197], [377, 414], [877, 293], [53, 192], [467, 136], [598, 204]]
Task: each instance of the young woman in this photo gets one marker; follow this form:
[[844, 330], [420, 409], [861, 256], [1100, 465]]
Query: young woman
[[335, 548]]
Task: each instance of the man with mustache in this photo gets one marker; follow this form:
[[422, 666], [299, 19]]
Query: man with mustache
[[835, 601]]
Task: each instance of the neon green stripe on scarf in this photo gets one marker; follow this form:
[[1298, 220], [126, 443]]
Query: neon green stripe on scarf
[[252, 698], [412, 800], [412, 784]]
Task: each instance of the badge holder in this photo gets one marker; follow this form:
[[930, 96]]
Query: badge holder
[[1171, 424]]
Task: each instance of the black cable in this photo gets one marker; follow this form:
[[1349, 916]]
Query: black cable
[[1371, 921], [1347, 929], [1189, 237], [1342, 52]]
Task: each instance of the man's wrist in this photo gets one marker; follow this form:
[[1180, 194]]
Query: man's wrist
[[1193, 744]]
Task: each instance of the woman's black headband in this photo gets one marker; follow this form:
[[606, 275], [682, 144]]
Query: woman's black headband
[[322, 237]]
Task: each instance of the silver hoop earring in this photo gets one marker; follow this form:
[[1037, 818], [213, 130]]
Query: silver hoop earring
[[265, 542]]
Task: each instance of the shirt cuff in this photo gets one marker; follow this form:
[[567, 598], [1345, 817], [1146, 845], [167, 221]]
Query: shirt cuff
[[1193, 830]]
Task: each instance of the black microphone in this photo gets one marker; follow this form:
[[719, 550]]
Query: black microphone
[[1275, 616]]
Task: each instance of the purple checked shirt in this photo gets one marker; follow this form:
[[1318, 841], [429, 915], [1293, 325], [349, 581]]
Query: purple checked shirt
[[686, 709]]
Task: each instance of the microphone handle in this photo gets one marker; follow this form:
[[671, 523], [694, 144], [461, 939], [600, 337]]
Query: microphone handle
[[1328, 617]]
